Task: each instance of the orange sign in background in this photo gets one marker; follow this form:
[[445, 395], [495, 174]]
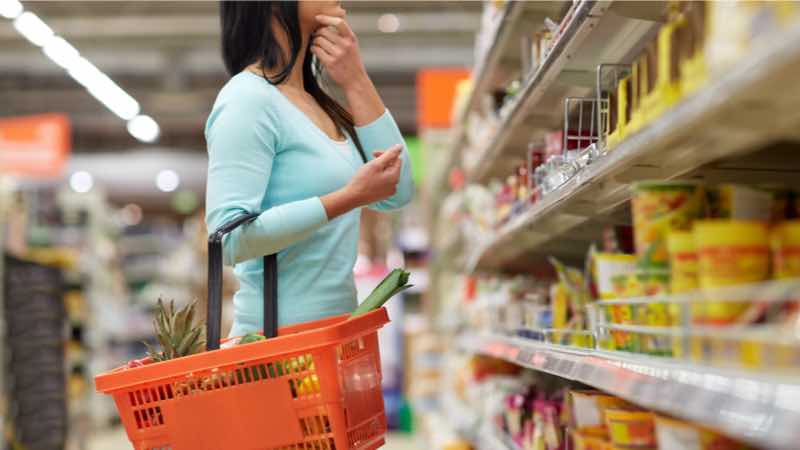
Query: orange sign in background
[[34, 146], [436, 90]]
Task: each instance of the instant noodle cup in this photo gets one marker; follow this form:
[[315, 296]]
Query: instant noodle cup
[[659, 207], [682, 261], [785, 243], [627, 286], [730, 252], [608, 266], [631, 428], [675, 434]]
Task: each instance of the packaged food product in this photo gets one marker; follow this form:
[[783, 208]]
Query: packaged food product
[[625, 286], [659, 207], [682, 261], [785, 243], [673, 434], [631, 428], [607, 266], [583, 441], [589, 408], [692, 39], [731, 201], [730, 252]]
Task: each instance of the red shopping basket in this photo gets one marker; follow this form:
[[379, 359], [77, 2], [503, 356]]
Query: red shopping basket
[[317, 385]]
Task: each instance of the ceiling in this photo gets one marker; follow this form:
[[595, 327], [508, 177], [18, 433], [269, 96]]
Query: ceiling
[[166, 55]]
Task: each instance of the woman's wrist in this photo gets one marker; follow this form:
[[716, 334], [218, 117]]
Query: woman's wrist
[[340, 202]]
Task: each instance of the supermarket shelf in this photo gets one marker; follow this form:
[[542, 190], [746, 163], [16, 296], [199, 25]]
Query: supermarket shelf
[[504, 38], [750, 106], [598, 32], [749, 406]]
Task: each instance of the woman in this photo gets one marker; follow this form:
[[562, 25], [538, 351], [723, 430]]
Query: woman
[[279, 145]]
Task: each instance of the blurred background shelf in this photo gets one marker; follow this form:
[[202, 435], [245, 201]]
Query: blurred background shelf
[[754, 407]]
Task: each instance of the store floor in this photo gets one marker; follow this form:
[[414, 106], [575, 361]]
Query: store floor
[[115, 439]]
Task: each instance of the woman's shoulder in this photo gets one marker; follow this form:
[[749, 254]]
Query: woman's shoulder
[[247, 90], [247, 96]]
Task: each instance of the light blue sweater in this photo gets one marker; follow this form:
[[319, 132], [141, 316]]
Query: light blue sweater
[[267, 156]]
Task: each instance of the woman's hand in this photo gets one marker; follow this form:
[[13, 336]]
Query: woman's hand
[[377, 179], [336, 46], [374, 181]]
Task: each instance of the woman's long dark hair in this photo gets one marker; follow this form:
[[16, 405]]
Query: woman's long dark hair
[[248, 37]]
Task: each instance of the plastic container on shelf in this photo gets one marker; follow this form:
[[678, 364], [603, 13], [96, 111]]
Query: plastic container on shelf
[[659, 207], [730, 252], [785, 243]]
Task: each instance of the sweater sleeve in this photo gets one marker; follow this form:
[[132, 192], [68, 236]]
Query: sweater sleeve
[[380, 135], [242, 140]]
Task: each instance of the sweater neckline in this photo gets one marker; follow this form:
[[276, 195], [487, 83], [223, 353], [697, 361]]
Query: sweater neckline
[[300, 111]]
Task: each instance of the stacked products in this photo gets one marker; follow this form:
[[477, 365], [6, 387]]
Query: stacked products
[[36, 321]]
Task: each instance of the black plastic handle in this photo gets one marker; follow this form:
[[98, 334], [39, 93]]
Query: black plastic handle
[[214, 313]]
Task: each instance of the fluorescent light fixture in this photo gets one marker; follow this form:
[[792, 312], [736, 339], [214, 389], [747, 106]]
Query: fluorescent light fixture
[[81, 181], [10, 9], [388, 23], [115, 99], [33, 29], [99, 85], [167, 180], [62, 52], [144, 128]]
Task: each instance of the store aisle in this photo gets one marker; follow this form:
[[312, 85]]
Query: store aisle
[[115, 439]]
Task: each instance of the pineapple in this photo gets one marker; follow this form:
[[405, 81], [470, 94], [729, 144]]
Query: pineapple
[[177, 332]]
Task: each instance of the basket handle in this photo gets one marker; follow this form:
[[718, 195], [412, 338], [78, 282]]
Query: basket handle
[[214, 313]]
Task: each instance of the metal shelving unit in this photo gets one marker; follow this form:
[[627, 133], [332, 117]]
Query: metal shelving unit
[[737, 112], [596, 32], [752, 407]]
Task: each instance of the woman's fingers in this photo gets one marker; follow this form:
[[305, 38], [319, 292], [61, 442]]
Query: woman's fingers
[[320, 53], [337, 22], [331, 34], [327, 45]]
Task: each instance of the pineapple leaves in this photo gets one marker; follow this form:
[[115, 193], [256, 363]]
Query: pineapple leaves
[[177, 332]]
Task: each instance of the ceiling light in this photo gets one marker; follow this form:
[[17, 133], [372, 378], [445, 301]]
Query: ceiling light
[[115, 99], [99, 85], [388, 23], [62, 53], [33, 29], [167, 180], [81, 181], [144, 128], [10, 9]]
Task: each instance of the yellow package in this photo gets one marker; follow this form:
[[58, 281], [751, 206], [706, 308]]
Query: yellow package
[[607, 266], [730, 252], [785, 243], [682, 261], [659, 207], [628, 428]]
